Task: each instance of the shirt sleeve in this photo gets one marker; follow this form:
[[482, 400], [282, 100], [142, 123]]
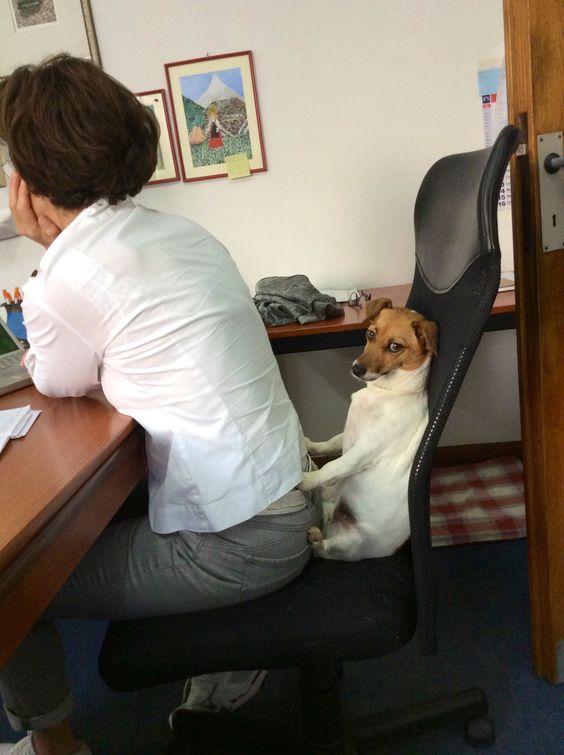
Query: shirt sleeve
[[60, 360]]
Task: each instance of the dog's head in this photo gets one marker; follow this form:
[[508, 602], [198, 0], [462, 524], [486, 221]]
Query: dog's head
[[396, 338]]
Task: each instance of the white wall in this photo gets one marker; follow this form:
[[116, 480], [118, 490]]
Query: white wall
[[357, 100]]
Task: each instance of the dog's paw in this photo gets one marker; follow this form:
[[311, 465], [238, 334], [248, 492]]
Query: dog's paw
[[314, 535], [310, 481], [318, 447], [314, 448], [315, 538]]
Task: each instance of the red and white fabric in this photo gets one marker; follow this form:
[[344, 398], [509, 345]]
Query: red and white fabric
[[478, 502]]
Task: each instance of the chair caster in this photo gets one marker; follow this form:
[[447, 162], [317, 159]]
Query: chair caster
[[480, 732]]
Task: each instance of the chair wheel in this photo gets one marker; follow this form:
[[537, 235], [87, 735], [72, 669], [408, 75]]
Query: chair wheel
[[480, 732]]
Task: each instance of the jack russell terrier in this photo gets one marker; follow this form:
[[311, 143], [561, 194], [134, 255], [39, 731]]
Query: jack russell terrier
[[367, 484]]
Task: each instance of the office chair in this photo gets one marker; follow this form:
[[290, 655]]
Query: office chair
[[335, 611]]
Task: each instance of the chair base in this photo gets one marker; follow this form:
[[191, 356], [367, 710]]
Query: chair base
[[325, 732], [469, 706]]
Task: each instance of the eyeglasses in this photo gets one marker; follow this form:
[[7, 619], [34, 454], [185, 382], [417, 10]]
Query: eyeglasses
[[357, 297]]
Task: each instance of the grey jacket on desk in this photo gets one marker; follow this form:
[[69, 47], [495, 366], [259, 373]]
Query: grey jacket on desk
[[283, 300]]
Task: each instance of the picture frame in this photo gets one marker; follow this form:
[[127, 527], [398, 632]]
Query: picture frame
[[167, 164], [31, 31], [216, 114]]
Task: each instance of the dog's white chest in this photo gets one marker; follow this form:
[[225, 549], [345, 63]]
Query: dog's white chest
[[370, 415]]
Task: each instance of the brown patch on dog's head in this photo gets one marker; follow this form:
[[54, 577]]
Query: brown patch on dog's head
[[372, 308], [397, 338]]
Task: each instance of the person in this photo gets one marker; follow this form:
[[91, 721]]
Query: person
[[214, 129], [150, 307]]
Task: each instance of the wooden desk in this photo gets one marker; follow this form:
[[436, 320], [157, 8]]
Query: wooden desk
[[349, 329], [60, 486]]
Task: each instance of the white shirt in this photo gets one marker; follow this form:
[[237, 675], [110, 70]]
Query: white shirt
[[153, 307]]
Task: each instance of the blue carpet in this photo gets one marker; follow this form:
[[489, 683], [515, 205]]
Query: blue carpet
[[483, 628]]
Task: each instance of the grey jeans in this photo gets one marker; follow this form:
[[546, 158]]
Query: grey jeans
[[132, 572]]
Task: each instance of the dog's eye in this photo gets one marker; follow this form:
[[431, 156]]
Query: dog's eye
[[370, 334], [395, 347]]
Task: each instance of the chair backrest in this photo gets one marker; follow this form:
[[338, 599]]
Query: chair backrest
[[455, 283]]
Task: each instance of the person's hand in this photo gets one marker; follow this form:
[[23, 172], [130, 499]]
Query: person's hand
[[37, 227]]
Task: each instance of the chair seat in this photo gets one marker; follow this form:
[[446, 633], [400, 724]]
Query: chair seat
[[333, 610]]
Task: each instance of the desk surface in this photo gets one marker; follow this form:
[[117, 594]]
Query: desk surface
[[348, 330], [61, 485], [69, 440]]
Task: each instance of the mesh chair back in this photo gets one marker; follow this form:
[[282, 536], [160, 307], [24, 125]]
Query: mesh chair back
[[455, 283]]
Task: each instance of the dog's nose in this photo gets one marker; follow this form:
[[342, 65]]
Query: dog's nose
[[358, 370]]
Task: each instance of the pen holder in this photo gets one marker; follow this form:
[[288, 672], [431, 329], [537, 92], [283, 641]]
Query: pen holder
[[14, 319]]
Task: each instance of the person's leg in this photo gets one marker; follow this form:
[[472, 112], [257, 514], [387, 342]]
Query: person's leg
[[133, 572], [276, 551], [41, 649]]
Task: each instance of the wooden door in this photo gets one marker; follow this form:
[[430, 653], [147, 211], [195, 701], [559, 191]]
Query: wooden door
[[534, 43]]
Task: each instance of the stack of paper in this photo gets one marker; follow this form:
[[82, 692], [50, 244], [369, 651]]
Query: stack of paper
[[14, 423]]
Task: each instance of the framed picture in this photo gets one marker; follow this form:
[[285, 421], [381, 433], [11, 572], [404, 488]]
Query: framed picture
[[167, 166], [216, 114], [30, 30]]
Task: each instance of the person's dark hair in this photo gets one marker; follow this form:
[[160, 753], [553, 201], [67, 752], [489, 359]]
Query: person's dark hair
[[76, 135]]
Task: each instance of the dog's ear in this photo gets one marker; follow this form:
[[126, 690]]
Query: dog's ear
[[374, 306], [426, 332]]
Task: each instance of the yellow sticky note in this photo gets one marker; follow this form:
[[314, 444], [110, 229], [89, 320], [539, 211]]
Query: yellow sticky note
[[237, 165]]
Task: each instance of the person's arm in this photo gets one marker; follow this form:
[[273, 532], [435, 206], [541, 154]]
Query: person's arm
[[60, 361]]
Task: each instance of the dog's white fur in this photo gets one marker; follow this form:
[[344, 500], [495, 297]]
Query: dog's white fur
[[367, 485]]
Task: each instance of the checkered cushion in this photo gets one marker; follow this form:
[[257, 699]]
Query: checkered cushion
[[477, 502]]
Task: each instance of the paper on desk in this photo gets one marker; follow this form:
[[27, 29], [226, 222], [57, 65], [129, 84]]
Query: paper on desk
[[14, 423]]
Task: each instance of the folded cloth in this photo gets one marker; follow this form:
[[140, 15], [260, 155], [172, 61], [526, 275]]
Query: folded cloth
[[282, 300]]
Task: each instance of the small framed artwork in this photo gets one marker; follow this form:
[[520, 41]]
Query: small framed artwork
[[216, 114], [39, 28], [167, 166]]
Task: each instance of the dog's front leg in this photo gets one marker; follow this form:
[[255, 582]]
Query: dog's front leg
[[355, 460], [328, 493], [331, 447]]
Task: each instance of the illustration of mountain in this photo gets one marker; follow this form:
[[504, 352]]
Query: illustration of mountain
[[216, 92], [232, 114]]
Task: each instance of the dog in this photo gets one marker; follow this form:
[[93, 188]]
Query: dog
[[366, 486]]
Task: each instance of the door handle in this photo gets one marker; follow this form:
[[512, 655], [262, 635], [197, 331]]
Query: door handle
[[553, 162], [551, 190]]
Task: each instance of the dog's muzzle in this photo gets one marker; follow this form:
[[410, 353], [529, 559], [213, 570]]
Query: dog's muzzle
[[358, 370]]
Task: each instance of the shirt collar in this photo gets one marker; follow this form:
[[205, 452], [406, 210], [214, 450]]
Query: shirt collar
[[96, 209]]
